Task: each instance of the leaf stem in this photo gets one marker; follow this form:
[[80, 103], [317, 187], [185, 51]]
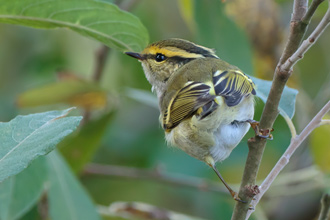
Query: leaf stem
[[291, 126]]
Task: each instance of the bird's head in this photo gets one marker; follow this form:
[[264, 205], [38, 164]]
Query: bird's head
[[161, 59]]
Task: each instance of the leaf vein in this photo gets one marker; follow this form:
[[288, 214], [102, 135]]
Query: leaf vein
[[67, 24], [75, 9], [35, 4], [20, 143]]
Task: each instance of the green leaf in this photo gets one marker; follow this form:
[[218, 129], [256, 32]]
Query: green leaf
[[79, 148], [18, 194], [100, 20], [67, 198], [216, 30], [288, 99], [25, 138], [74, 92]]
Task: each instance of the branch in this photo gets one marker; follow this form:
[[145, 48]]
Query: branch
[[283, 161], [297, 29], [156, 175], [325, 207], [307, 43], [311, 10], [257, 145]]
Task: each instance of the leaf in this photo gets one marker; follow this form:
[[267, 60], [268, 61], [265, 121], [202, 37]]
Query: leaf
[[25, 138], [79, 148], [67, 198], [100, 20], [215, 30], [81, 93], [18, 194], [288, 99]]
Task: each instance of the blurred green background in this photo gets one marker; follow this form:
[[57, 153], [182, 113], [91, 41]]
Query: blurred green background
[[123, 131]]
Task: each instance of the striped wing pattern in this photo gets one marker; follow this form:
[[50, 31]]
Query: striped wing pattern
[[199, 98], [186, 102], [233, 85]]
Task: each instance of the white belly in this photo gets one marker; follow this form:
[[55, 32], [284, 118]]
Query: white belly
[[228, 135], [214, 135]]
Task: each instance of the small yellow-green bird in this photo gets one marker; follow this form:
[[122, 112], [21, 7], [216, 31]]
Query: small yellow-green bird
[[206, 104]]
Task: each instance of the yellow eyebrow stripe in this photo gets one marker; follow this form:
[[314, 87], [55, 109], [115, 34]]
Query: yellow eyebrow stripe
[[171, 52]]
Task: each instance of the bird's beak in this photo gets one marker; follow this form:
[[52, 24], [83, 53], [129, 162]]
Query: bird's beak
[[135, 55]]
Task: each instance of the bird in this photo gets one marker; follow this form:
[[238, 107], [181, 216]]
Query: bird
[[206, 104]]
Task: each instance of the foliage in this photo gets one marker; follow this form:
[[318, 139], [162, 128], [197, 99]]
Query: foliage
[[19, 193], [121, 117], [27, 137], [67, 198], [99, 20]]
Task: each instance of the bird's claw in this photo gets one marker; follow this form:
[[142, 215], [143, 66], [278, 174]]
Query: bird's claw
[[235, 197], [262, 133]]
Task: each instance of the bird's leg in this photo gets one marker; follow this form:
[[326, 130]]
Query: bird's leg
[[231, 191], [263, 133]]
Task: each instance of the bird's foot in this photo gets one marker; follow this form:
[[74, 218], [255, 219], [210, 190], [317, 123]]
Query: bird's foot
[[235, 197], [263, 133]]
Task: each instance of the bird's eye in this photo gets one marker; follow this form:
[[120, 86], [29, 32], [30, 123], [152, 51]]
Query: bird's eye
[[160, 57]]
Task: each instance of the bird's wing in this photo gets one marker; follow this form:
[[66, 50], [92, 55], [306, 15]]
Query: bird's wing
[[186, 102], [233, 85], [200, 98]]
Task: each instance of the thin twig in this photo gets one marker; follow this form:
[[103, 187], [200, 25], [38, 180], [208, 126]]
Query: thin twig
[[270, 112], [297, 29], [311, 10], [155, 175], [325, 207], [283, 161], [299, 54]]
